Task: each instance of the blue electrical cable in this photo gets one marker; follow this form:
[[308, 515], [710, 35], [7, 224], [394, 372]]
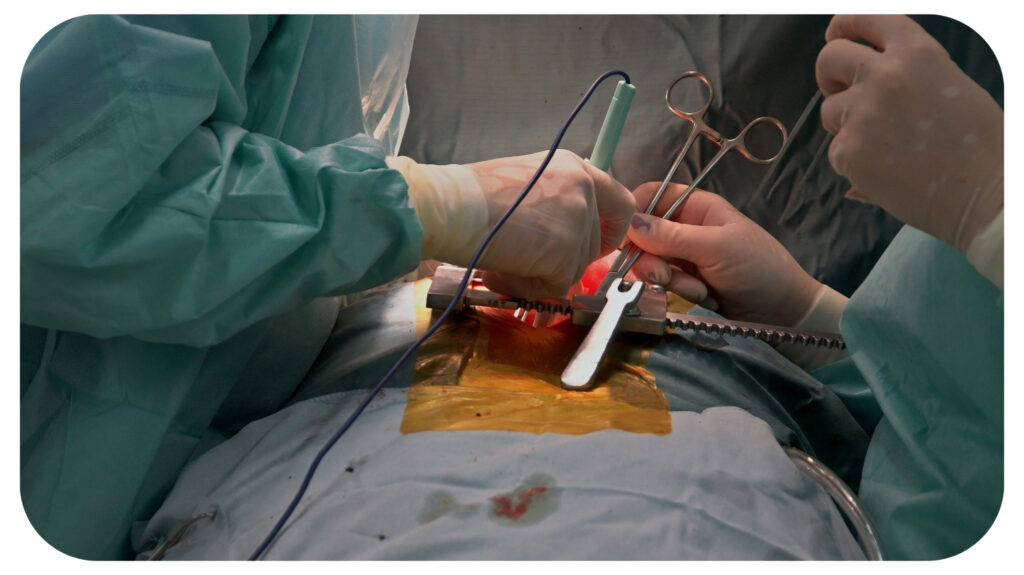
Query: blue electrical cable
[[456, 301]]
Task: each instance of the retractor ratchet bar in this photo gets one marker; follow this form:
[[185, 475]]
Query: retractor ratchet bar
[[640, 308]]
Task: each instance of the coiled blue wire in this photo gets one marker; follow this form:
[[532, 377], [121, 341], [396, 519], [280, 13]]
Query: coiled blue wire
[[433, 328]]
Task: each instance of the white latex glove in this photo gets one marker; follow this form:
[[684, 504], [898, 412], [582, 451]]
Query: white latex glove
[[913, 133], [574, 214], [710, 251]]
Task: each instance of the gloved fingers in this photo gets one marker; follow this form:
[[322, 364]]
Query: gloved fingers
[[709, 303], [531, 288], [601, 234], [858, 197], [615, 205], [697, 244], [645, 192], [652, 269], [879, 30], [840, 63], [840, 151], [701, 207], [688, 287], [655, 270], [835, 110], [684, 265]]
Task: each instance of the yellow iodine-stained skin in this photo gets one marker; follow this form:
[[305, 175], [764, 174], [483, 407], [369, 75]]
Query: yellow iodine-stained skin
[[489, 371]]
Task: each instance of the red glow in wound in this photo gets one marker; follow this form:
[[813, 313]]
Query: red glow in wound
[[594, 275], [515, 504], [588, 284]]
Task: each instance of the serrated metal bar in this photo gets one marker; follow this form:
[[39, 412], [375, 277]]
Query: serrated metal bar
[[771, 334], [649, 315]]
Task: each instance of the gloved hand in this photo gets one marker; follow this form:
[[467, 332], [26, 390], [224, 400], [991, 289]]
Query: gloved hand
[[574, 214], [709, 251], [913, 133]]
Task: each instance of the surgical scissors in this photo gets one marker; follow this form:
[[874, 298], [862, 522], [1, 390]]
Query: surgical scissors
[[628, 256]]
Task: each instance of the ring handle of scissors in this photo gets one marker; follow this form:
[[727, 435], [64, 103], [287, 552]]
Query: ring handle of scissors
[[739, 142], [699, 113], [701, 128], [698, 128], [729, 144]]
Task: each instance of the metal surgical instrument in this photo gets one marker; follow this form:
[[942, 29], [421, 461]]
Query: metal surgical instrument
[[649, 314], [628, 256], [579, 374]]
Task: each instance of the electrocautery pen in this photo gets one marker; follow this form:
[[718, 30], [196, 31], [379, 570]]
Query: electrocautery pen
[[604, 148], [614, 120]]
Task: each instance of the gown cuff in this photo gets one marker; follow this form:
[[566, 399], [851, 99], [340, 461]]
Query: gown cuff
[[986, 251], [450, 205], [823, 316]]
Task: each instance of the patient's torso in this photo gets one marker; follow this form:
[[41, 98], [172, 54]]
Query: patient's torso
[[474, 452]]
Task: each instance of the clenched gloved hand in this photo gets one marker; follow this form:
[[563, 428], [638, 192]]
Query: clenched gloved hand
[[713, 255], [574, 214], [913, 133]]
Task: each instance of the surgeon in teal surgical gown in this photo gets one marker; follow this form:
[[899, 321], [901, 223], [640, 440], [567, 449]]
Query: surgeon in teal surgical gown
[[196, 195], [924, 373]]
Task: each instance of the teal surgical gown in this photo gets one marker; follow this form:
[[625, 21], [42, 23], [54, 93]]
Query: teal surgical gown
[[925, 331], [192, 188]]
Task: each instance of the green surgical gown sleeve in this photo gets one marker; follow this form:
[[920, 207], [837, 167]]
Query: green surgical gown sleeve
[[186, 181], [149, 208], [925, 331]]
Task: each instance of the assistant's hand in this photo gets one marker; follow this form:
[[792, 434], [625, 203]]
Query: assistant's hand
[[913, 133], [574, 214], [709, 250]]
